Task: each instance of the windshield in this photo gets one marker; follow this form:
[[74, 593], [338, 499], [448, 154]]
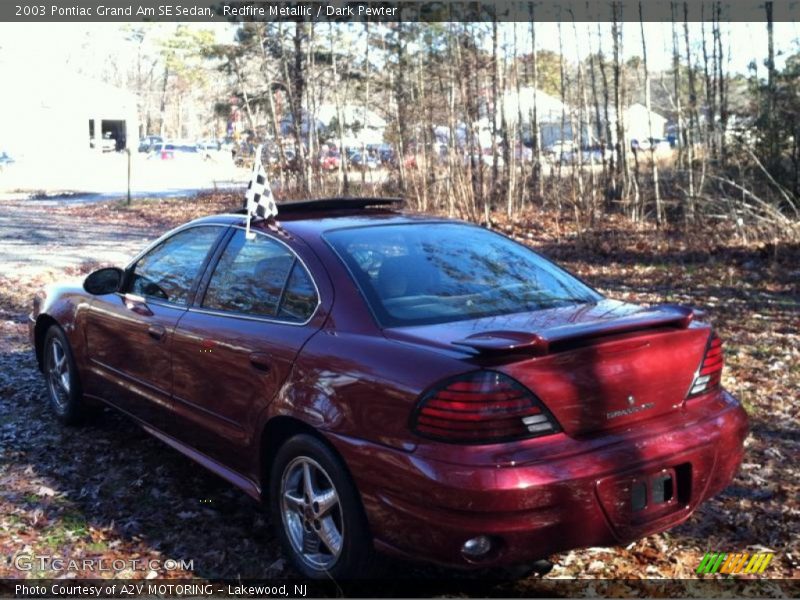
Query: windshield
[[423, 273]]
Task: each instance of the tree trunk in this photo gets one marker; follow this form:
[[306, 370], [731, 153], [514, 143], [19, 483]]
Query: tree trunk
[[613, 189], [493, 193], [653, 163], [534, 118], [623, 167], [365, 111], [676, 71], [723, 94], [692, 116], [162, 108], [298, 83], [772, 142], [598, 120], [711, 88], [343, 166]]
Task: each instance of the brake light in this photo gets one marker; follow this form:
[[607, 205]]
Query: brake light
[[480, 408], [709, 374]]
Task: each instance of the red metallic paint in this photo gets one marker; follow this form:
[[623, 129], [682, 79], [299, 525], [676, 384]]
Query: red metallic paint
[[356, 386]]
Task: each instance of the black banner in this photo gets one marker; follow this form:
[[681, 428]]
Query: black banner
[[469, 586], [390, 11]]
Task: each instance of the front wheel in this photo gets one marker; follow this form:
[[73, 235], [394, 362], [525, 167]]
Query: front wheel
[[317, 511], [61, 373]]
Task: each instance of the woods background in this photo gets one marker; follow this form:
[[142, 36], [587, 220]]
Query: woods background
[[462, 130]]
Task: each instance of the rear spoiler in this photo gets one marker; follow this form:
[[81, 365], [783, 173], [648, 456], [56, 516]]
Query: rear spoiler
[[538, 343]]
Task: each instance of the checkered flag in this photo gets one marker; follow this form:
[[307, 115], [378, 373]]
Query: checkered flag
[[259, 200]]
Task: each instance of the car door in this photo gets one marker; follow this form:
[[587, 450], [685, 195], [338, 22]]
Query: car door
[[235, 347], [129, 333]]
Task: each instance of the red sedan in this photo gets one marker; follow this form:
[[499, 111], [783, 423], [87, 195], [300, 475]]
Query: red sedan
[[401, 383]]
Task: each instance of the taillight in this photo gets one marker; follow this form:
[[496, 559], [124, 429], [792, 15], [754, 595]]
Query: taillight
[[710, 372], [482, 407]]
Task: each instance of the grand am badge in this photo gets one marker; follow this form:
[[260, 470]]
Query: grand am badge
[[632, 409]]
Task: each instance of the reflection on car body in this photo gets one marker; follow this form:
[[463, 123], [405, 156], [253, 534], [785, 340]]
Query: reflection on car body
[[401, 383]]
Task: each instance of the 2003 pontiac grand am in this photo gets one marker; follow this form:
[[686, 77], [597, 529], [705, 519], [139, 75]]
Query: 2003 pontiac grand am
[[400, 383]]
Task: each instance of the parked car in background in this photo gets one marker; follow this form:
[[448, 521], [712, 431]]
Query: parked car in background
[[150, 142], [209, 145], [330, 161], [657, 145], [213, 150], [174, 150], [485, 158], [557, 151], [400, 383], [107, 143], [523, 153], [5, 160], [360, 160], [386, 155], [587, 156]]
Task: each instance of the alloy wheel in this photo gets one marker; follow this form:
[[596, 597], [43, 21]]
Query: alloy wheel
[[58, 374], [312, 513]]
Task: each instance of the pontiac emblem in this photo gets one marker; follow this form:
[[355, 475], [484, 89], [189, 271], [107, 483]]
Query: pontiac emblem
[[631, 400]]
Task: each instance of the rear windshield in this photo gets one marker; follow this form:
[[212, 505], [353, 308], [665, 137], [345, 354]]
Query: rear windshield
[[423, 273]]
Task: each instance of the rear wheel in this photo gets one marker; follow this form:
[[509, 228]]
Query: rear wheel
[[317, 512], [61, 374]]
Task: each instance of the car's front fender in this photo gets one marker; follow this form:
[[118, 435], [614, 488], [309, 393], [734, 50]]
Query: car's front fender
[[62, 303]]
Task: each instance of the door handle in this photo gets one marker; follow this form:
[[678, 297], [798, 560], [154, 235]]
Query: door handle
[[260, 361], [156, 332]]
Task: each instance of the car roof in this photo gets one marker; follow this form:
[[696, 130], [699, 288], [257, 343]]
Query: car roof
[[314, 217]]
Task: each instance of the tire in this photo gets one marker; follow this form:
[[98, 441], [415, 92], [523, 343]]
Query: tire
[[308, 527], [61, 375]]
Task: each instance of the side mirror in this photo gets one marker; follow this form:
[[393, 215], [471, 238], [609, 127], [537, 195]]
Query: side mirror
[[103, 281]]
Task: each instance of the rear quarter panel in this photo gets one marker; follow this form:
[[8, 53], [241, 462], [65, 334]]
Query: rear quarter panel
[[361, 386]]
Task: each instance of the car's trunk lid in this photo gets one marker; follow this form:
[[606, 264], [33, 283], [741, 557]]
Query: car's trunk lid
[[595, 366]]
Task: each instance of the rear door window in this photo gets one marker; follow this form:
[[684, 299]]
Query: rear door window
[[260, 277], [300, 298]]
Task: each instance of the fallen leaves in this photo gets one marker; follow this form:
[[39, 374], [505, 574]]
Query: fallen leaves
[[110, 491]]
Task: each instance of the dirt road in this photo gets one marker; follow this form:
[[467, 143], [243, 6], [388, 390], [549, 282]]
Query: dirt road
[[35, 237]]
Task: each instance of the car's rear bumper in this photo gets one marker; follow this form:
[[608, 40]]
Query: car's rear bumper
[[534, 501]]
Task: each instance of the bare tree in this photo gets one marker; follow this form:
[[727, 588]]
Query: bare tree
[[692, 213], [653, 163]]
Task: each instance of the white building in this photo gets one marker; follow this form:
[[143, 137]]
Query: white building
[[638, 122], [550, 112], [49, 110], [359, 126]]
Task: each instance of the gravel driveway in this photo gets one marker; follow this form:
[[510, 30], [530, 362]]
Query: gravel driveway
[[34, 237]]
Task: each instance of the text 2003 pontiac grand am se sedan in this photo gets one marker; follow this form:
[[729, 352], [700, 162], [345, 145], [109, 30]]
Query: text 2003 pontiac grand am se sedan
[[401, 383]]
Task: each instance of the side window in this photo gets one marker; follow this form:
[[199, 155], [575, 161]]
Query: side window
[[169, 270], [300, 298], [250, 276]]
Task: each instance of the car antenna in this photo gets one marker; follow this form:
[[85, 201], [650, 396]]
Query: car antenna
[[259, 203]]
